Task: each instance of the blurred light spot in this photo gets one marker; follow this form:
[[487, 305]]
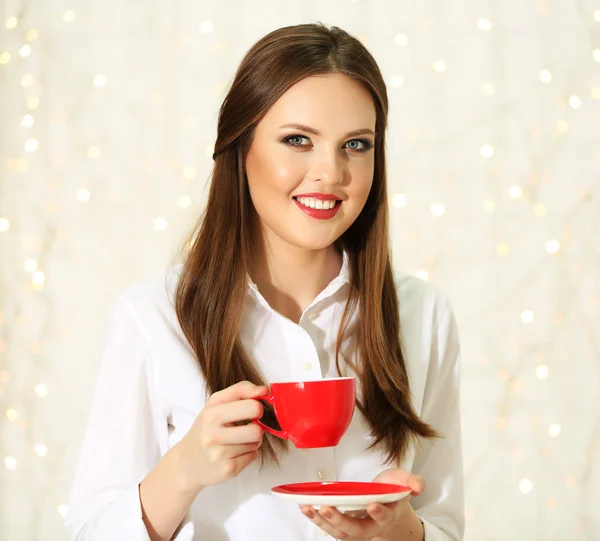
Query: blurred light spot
[[437, 209], [83, 195], [68, 16], [484, 24], [545, 76], [32, 35], [100, 81], [527, 316], [10, 463], [399, 200], [488, 88], [489, 205], [11, 415], [542, 372], [515, 192], [25, 51], [41, 450], [38, 278], [27, 80], [31, 145], [160, 223], [206, 27], [554, 430], [33, 103], [4, 225], [184, 201], [41, 389], [439, 66], [12, 22], [4, 57], [28, 121], [487, 151], [190, 173], [575, 102], [30, 265], [396, 81], [93, 152], [423, 274], [525, 486], [63, 510], [502, 249], [552, 246], [401, 39]]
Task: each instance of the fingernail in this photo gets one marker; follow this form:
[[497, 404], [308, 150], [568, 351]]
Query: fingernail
[[326, 514]]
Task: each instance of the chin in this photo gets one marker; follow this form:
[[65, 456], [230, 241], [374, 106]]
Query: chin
[[312, 243]]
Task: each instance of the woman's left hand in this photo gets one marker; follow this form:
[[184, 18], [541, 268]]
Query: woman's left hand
[[382, 522]]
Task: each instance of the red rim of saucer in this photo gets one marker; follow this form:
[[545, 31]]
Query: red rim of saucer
[[340, 488]]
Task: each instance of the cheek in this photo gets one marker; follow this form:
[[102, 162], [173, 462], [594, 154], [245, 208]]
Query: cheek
[[362, 180], [275, 173]]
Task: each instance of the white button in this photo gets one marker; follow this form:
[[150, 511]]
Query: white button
[[322, 474], [306, 366]]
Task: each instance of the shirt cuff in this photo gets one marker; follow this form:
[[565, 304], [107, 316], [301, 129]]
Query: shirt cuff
[[122, 521], [433, 533]]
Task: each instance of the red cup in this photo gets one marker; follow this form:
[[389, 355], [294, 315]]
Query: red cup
[[312, 413]]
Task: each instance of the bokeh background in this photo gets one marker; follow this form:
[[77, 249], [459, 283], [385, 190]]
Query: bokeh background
[[107, 120]]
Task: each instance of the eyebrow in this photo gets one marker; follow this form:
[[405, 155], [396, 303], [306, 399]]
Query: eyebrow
[[314, 131]]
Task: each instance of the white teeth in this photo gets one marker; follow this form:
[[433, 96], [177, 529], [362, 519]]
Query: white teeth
[[316, 203]]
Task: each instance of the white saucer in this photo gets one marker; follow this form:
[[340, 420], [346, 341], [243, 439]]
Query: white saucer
[[343, 495]]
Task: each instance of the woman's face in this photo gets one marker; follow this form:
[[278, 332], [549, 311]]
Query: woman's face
[[317, 155]]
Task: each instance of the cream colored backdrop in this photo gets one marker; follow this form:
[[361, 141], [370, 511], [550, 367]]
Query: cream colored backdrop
[[107, 117]]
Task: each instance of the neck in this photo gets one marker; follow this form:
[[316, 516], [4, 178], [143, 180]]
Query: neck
[[290, 278]]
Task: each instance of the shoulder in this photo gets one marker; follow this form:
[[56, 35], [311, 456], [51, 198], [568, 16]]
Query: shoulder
[[151, 297], [421, 301]]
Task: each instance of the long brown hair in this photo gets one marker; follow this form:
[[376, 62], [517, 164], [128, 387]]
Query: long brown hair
[[213, 286]]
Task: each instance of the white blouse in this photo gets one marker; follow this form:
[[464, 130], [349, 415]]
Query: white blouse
[[149, 390]]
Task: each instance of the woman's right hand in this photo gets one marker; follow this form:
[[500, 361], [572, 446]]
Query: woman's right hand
[[215, 448]]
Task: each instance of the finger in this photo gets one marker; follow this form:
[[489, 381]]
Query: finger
[[239, 391], [322, 523], [232, 412], [382, 514], [402, 477], [364, 527], [222, 452], [416, 483], [231, 435], [357, 514], [241, 462]]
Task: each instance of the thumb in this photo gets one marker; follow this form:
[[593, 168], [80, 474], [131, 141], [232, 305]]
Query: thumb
[[396, 476]]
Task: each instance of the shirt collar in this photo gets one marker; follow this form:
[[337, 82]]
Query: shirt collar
[[342, 278]]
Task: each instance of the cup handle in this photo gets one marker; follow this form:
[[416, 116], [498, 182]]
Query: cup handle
[[279, 433]]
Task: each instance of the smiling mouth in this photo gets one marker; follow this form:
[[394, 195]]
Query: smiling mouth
[[317, 204]]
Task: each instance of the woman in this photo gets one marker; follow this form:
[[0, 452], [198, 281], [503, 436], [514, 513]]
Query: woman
[[288, 277]]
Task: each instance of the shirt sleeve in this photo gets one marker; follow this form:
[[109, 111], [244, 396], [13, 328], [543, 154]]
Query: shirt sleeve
[[441, 505], [125, 437]]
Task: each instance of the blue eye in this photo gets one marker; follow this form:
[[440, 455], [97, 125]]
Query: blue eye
[[289, 140], [294, 141], [366, 145]]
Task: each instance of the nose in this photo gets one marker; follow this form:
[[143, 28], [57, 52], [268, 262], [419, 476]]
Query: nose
[[329, 167]]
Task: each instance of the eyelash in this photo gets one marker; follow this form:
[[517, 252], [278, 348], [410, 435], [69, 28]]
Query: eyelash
[[366, 144]]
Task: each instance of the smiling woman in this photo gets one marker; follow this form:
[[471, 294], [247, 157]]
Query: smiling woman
[[288, 278]]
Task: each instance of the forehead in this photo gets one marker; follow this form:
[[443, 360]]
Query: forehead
[[331, 103]]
